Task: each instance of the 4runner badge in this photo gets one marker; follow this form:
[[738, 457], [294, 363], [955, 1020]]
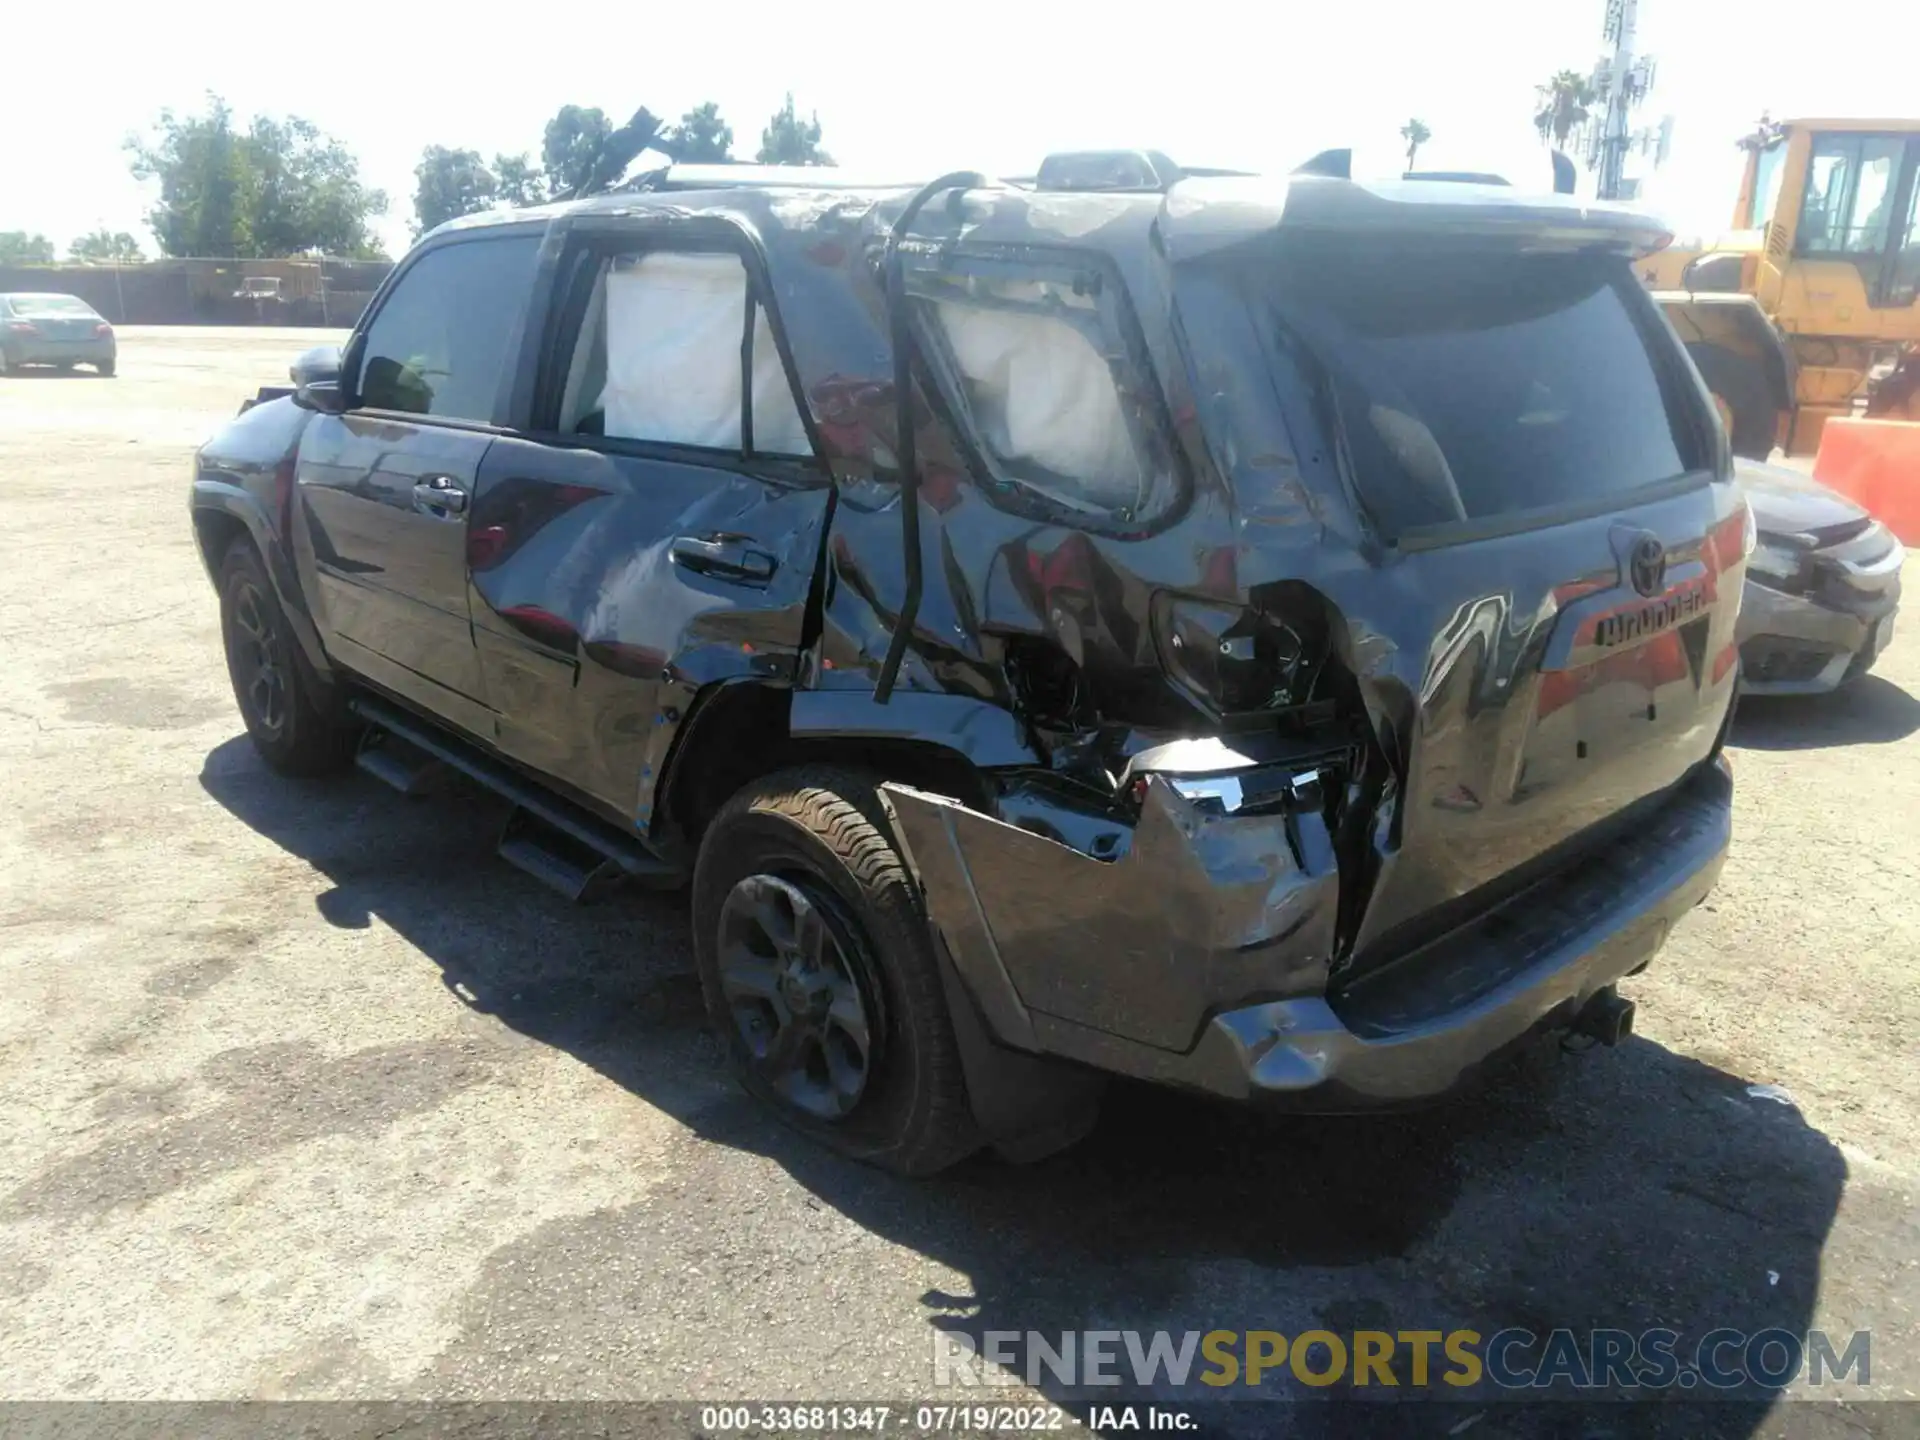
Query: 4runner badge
[[1663, 614]]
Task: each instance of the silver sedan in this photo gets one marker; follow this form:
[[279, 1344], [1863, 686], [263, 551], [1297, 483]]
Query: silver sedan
[[1823, 586], [60, 330]]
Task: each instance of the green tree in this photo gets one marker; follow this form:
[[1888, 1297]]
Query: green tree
[[518, 181], [201, 165], [570, 147], [1564, 104], [1416, 134], [278, 188], [450, 183], [106, 247], [789, 140], [17, 247], [305, 192], [701, 137]]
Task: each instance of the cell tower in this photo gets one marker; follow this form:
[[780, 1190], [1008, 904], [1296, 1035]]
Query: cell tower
[[1621, 82]]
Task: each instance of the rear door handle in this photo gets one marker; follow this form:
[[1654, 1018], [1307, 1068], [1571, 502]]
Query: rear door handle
[[439, 495], [724, 557]]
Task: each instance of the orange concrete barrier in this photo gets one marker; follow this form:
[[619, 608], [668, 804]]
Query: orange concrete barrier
[[1876, 464]]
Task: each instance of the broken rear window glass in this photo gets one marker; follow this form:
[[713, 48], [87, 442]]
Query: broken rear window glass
[[1047, 385], [1472, 383]]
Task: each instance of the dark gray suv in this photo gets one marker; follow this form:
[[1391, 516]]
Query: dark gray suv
[[1271, 637]]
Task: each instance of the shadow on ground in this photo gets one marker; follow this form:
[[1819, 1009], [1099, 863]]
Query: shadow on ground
[[1629, 1189], [1871, 711]]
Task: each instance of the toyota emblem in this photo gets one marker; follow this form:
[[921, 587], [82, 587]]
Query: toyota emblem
[[1647, 566]]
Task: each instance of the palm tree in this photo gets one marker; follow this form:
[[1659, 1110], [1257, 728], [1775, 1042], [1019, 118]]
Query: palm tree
[[1565, 104], [1416, 134]]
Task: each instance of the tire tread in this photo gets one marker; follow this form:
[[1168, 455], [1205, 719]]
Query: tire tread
[[840, 806], [319, 739]]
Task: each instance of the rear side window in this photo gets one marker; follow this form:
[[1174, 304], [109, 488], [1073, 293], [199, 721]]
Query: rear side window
[[439, 342], [1474, 385], [1040, 361], [674, 350]]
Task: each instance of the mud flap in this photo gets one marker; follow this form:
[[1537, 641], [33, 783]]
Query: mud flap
[[1029, 1107]]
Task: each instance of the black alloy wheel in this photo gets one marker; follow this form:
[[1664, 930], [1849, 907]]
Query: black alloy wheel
[[807, 1018], [257, 652], [298, 723]]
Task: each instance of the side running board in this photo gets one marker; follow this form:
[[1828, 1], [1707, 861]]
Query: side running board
[[551, 839]]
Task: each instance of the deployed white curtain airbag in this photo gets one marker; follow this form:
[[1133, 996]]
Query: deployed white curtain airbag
[[673, 357], [1041, 394], [777, 427]]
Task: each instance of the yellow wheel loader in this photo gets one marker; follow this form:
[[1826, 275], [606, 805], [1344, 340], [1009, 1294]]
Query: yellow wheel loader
[[1812, 303]]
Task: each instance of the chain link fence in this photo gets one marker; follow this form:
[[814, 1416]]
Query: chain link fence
[[212, 292]]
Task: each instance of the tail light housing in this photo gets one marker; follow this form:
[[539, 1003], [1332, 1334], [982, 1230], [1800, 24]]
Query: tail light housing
[[1231, 659], [103, 331]]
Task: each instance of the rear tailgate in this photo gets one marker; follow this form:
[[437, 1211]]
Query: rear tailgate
[[1553, 701], [1562, 554]]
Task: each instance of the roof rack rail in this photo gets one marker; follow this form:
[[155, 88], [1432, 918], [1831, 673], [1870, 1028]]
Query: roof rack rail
[[727, 175], [1071, 171], [1121, 171]]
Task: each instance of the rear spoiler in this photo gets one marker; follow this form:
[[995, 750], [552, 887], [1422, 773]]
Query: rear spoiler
[[1338, 165]]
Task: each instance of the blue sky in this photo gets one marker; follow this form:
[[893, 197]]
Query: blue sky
[[916, 89]]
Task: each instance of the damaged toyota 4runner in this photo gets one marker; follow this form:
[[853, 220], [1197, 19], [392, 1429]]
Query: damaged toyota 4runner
[[1269, 637]]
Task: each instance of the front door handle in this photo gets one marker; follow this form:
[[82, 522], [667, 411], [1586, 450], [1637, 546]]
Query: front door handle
[[725, 557], [439, 495]]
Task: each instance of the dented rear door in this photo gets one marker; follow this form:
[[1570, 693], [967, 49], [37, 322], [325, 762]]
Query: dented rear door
[[659, 525]]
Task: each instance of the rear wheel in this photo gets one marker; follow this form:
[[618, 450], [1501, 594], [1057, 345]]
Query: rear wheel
[[819, 975], [1740, 395], [105, 368], [295, 724]]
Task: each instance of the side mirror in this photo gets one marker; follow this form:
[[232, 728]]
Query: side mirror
[[316, 380]]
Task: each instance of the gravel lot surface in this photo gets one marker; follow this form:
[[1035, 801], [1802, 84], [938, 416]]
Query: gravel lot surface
[[304, 1094]]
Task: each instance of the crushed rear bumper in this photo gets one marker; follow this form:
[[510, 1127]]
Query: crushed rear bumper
[[1415, 1030], [1016, 924]]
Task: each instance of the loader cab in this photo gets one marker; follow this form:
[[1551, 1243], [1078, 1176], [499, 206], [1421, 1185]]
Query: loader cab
[[1837, 196]]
